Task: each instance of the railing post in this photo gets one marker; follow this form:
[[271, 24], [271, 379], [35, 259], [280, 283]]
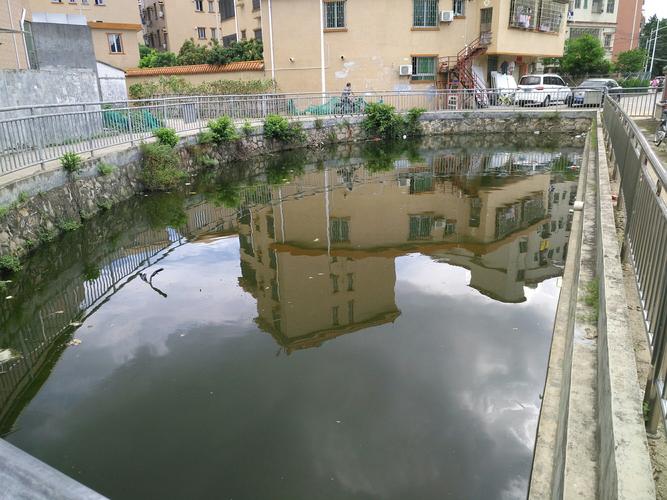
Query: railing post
[[38, 144], [129, 123], [89, 131]]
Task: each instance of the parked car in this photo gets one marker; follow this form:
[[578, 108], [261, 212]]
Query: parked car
[[592, 92], [542, 90]]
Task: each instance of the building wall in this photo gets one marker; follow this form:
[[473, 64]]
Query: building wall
[[112, 83], [181, 20], [53, 53], [12, 49], [115, 16], [129, 58], [628, 26], [378, 38], [602, 25]]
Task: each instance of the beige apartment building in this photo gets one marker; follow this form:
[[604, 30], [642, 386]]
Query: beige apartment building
[[596, 18], [115, 26], [406, 44], [168, 24], [13, 53]]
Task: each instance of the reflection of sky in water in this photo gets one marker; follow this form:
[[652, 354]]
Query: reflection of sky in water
[[184, 396]]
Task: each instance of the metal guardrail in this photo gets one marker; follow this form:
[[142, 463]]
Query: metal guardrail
[[643, 180], [34, 135]]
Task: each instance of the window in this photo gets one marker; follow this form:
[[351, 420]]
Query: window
[[115, 43], [256, 4], [258, 34], [228, 40], [522, 14], [201, 33], [420, 227], [226, 9], [611, 4], [211, 6], [521, 275], [339, 230], [214, 33], [423, 68], [523, 246], [607, 41], [334, 14], [334, 283], [199, 5], [459, 7], [99, 2], [243, 35], [485, 20], [577, 4], [425, 13], [334, 315], [350, 282], [350, 312]]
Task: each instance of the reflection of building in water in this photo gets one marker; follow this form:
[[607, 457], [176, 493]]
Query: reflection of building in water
[[320, 258]]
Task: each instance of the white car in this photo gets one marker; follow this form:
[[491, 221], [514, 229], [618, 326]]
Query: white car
[[542, 89]]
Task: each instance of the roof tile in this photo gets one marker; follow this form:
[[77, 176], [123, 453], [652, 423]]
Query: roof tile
[[196, 69]]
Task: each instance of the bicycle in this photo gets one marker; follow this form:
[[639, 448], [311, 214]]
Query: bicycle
[[349, 107]]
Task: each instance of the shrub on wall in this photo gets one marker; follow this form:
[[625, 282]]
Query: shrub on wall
[[180, 86], [382, 120], [166, 136], [278, 128], [223, 130], [161, 167], [71, 162]]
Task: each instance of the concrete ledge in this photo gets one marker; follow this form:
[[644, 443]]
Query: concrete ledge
[[546, 479], [23, 476], [625, 466]]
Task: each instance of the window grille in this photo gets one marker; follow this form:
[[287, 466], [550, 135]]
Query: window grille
[[420, 227], [611, 4], [340, 230], [256, 4], [201, 33], [459, 7], [522, 14], [228, 40], [551, 16], [199, 5], [423, 68], [334, 14], [425, 13]]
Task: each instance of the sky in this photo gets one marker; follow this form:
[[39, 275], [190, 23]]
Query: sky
[[658, 7]]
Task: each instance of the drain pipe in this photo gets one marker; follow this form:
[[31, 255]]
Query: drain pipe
[[273, 58], [323, 73]]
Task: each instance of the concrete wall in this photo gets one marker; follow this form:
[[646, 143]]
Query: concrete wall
[[112, 83], [61, 86], [63, 46], [130, 39]]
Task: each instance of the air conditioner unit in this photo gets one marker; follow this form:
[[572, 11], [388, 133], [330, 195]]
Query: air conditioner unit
[[405, 70], [160, 14], [439, 223], [446, 16], [164, 46]]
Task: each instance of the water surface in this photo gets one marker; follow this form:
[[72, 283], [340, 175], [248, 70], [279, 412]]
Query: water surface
[[374, 324]]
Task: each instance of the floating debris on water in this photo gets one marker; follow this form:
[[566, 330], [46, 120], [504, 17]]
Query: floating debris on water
[[74, 342]]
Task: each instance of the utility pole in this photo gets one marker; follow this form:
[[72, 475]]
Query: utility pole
[[655, 43], [648, 49]]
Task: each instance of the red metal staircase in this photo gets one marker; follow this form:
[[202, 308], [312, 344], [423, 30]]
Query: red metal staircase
[[460, 66]]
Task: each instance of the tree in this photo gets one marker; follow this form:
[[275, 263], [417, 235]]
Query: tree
[[584, 56], [631, 61], [191, 53], [646, 42], [155, 59]]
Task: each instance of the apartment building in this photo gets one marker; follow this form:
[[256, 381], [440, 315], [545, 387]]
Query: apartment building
[[406, 44], [168, 25], [596, 18], [13, 53], [628, 26], [115, 25]]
